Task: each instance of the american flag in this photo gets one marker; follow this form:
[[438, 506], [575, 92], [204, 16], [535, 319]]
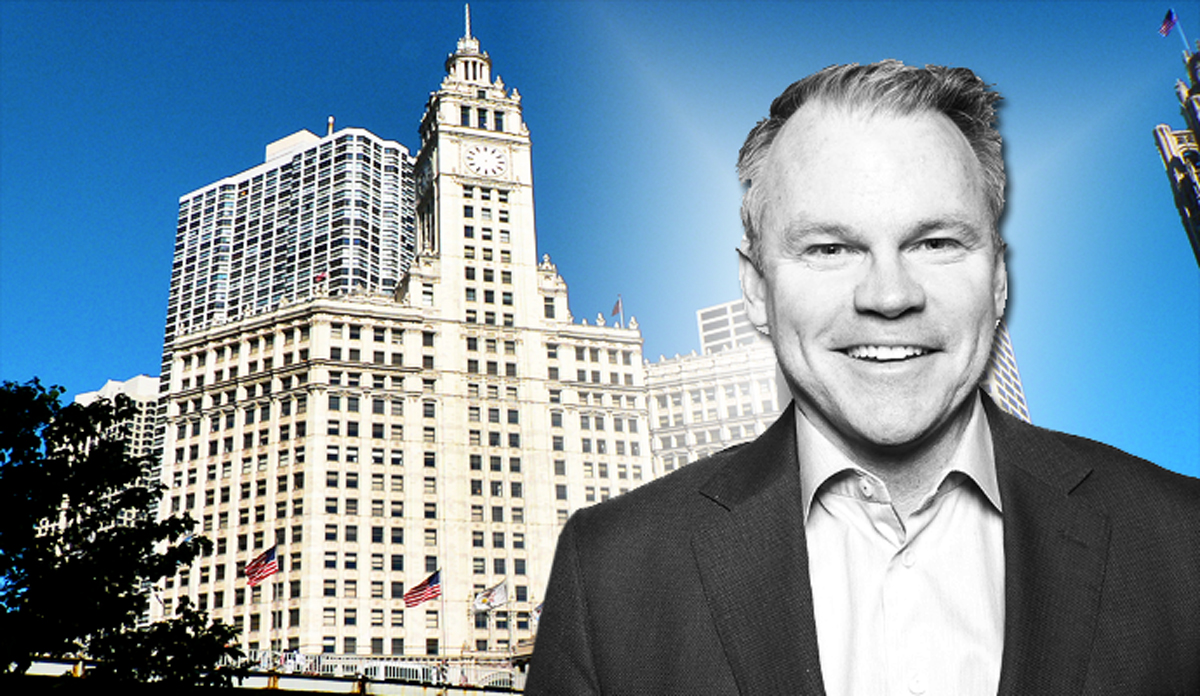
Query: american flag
[[263, 567], [1168, 23], [430, 588]]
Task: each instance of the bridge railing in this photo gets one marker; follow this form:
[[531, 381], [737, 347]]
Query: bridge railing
[[453, 671]]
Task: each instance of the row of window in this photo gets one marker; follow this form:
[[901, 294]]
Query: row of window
[[481, 115], [746, 409], [486, 214], [232, 350], [219, 375], [485, 193], [614, 378], [489, 296], [590, 421], [709, 394], [489, 318], [487, 254], [593, 354], [489, 275], [733, 433]]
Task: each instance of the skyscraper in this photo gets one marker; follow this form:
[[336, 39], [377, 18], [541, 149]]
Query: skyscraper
[[1181, 154], [377, 420], [140, 430], [725, 326], [329, 215], [1002, 381]]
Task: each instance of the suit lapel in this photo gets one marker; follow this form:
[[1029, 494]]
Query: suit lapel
[[752, 558], [1056, 548]]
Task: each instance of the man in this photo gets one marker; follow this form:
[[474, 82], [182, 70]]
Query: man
[[893, 532]]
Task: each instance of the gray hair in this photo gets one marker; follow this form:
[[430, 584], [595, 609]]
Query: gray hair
[[886, 87]]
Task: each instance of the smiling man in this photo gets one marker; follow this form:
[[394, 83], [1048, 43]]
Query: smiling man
[[893, 532]]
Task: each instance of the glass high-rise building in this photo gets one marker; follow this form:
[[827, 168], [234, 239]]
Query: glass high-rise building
[[1002, 381]]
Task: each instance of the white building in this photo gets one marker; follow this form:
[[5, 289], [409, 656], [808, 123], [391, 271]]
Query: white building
[[375, 432], [701, 404], [725, 326], [140, 429]]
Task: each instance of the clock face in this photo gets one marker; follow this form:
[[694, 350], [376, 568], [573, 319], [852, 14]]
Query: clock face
[[486, 160]]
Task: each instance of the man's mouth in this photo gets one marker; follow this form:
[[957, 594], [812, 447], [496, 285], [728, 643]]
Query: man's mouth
[[886, 353]]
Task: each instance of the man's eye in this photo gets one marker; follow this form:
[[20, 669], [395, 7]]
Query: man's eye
[[827, 249], [938, 244]]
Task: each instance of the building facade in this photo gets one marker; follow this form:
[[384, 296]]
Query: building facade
[[376, 432], [725, 326], [1181, 154], [701, 404], [1002, 380], [140, 430]]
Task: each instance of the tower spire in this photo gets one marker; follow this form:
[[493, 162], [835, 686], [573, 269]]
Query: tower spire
[[468, 14]]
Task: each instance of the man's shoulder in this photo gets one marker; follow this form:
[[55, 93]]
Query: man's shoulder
[[1121, 473], [1109, 477]]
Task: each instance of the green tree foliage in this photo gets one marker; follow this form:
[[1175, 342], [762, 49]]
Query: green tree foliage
[[79, 541], [181, 652]]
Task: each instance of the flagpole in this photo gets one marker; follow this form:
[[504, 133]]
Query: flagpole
[[621, 303], [1182, 35], [442, 623]]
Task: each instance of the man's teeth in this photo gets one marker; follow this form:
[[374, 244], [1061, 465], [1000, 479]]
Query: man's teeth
[[882, 353]]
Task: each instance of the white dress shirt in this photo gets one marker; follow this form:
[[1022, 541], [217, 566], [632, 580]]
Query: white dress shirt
[[905, 607]]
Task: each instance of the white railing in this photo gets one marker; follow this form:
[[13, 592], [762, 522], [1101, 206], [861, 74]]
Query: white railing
[[451, 671]]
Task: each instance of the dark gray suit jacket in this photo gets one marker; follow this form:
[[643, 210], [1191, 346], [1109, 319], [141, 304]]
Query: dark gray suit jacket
[[697, 583]]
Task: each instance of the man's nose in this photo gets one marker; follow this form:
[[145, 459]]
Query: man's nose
[[888, 287]]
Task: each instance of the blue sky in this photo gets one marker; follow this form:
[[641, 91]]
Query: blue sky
[[111, 111]]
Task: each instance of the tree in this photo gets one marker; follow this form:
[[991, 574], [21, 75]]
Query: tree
[[184, 651], [79, 539]]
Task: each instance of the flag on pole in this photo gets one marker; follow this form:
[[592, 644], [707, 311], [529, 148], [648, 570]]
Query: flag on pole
[[262, 567], [320, 277], [537, 615], [617, 308], [430, 588], [492, 597], [1168, 24]]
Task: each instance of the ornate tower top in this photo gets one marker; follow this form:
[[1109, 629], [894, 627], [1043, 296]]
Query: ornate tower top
[[468, 63]]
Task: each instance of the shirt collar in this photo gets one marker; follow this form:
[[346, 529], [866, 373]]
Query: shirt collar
[[821, 460]]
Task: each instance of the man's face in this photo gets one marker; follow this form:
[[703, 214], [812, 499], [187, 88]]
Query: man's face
[[877, 273]]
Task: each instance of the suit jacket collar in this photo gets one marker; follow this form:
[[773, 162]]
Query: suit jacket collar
[[752, 558], [1055, 554], [753, 562]]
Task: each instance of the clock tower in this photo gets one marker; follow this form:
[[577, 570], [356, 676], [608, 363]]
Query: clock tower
[[474, 172], [513, 390]]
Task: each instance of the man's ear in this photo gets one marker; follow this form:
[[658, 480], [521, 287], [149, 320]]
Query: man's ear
[[754, 291], [1000, 284]]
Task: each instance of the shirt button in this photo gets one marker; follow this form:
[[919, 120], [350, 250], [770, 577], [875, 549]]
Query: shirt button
[[909, 559], [916, 685], [867, 489]]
